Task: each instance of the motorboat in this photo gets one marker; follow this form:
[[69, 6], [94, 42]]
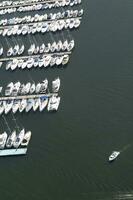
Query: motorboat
[[27, 88], [38, 87], [10, 52], [29, 106], [7, 106], [47, 60], [3, 138], [9, 89], [1, 51], [59, 60], [16, 88], [65, 59], [16, 105], [21, 50], [15, 50], [14, 64], [114, 155], [53, 103], [32, 88], [1, 107], [56, 85], [11, 139], [43, 103], [19, 139], [23, 105], [70, 46], [36, 104], [44, 86], [26, 139]]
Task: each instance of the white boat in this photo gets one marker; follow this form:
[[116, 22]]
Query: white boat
[[26, 139], [47, 60], [27, 88], [43, 103], [53, 103], [65, 59], [1, 107], [14, 64], [32, 88], [16, 105], [36, 104], [38, 87], [9, 89], [16, 88], [29, 106], [44, 86], [19, 139], [15, 50], [56, 85], [114, 155], [70, 45], [21, 50], [3, 138], [11, 139], [10, 51], [7, 106], [23, 105], [1, 51]]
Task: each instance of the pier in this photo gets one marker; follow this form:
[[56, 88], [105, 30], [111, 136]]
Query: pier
[[28, 4], [28, 96], [13, 152], [34, 56], [38, 22]]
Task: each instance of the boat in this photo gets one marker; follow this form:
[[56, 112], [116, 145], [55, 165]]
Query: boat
[[32, 88], [11, 139], [9, 89], [114, 155], [36, 104], [3, 138], [1, 107], [7, 106], [38, 87], [19, 139], [23, 105], [53, 103], [16, 88], [29, 106], [26, 139], [43, 103], [56, 85], [44, 86], [16, 105]]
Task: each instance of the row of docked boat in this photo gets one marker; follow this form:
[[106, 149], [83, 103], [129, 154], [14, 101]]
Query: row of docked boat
[[15, 139], [50, 47], [41, 27], [40, 18], [37, 6], [15, 89], [40, 61], [28, 104]]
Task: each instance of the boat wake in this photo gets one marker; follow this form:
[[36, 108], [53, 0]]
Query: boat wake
[[125, 147]]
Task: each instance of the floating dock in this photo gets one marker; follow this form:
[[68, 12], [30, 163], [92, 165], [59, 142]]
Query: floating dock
[[13, 152], [35, 56], [28, 96]]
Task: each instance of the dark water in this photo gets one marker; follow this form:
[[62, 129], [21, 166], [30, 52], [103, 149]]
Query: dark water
[[67, 157]]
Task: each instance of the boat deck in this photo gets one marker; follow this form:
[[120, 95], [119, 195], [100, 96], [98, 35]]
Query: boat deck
[[12, 152]]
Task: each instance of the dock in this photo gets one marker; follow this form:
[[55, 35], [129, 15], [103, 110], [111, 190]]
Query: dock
[[28, 4], [28, 96], [13, 152], [34, 56], [38, 22]]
